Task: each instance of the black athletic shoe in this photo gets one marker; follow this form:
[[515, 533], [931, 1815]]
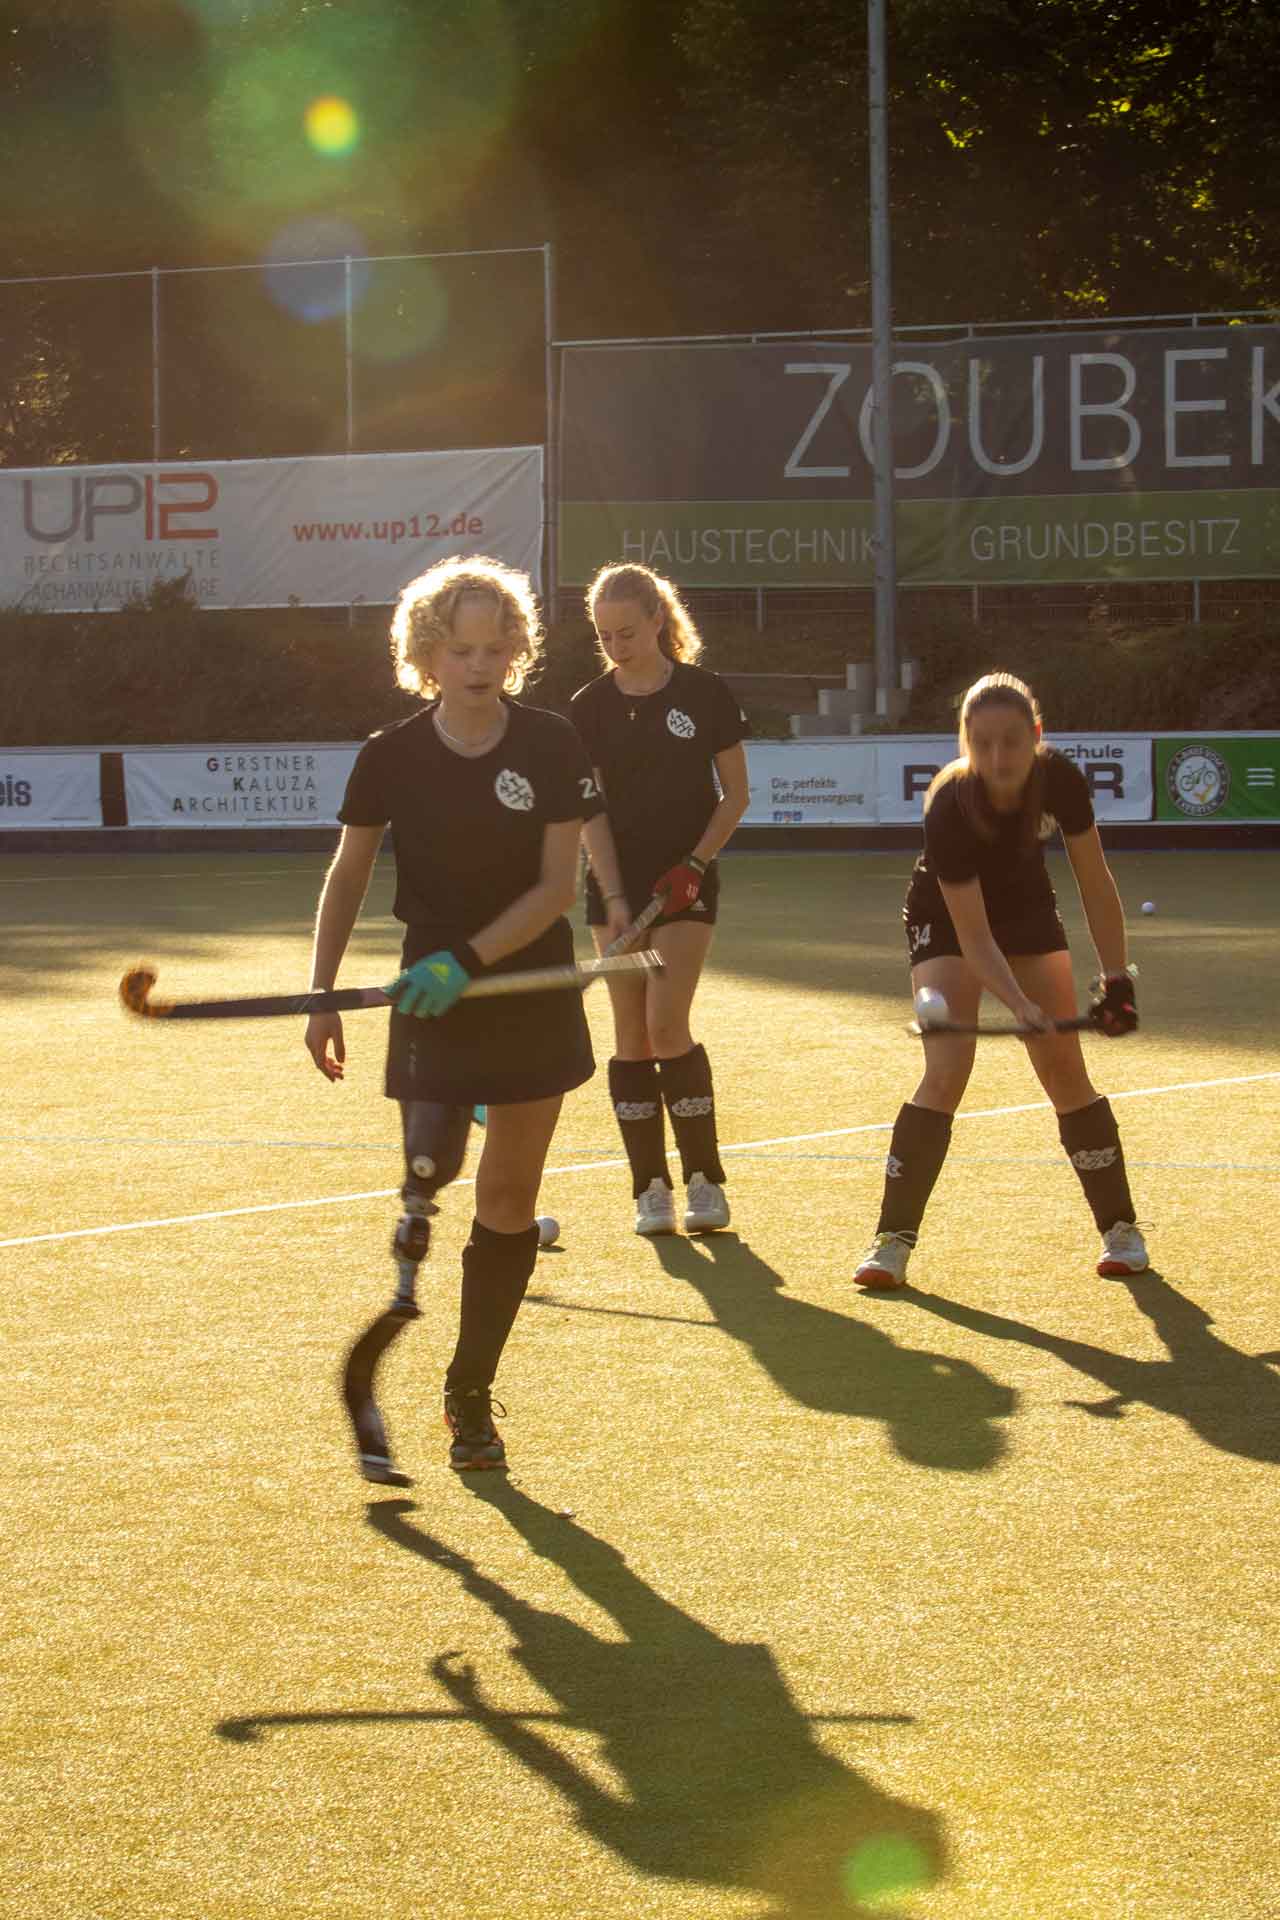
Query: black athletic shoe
[[468, 1414]]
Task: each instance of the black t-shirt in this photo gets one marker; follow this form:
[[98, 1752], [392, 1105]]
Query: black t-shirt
[[655, 753], [468, 833], [1014, 878]]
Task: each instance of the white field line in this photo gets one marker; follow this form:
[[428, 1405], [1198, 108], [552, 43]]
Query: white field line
[[191, 873], [596, 1166]]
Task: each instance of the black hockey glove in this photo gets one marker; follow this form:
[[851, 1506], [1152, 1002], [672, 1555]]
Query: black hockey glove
[[1115, 1011]]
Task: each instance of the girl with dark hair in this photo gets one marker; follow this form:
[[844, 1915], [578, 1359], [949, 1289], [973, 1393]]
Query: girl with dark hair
[[980, 915], [665, 740]]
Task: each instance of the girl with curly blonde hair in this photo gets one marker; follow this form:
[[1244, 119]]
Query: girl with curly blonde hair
[[485, 801]]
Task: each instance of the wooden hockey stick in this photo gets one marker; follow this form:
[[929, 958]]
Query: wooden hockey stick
[[135, 991]]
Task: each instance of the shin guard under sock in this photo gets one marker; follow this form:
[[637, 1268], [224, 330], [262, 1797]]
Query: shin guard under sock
[[917, 1150], [637, 1107], [1092, 1140], [687, 1090], [495, 1273]]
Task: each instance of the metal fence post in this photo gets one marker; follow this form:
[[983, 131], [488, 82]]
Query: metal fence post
[[886, 567], [155, 363], [550, 461]]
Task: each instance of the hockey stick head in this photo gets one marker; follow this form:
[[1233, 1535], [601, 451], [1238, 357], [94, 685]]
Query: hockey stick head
[[135, 993], [647, 960]]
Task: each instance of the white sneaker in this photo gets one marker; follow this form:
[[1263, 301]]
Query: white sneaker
[[1123, 1251], [883, 1269], [705, 1206], [656, 1209]]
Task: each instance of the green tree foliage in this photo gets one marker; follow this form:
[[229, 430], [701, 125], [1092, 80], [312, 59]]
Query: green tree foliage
[[700, 166], [1048, 157]]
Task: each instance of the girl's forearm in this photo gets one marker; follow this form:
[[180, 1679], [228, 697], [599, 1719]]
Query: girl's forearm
[[719, 828]]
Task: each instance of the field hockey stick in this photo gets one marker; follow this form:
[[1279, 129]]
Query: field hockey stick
[[135, 991], [1001, 1030], [617, 949]]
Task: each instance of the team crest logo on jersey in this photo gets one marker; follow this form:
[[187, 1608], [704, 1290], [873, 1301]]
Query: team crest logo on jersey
[[514, 791], [680, 724], [1047, 828], [1198, 781]]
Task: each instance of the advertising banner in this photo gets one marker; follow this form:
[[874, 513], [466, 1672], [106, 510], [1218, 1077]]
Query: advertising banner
[[1117, 767], [49, 789], [1217, 777], [259, 786], [1125, 455], [262, 533], [830, 785]]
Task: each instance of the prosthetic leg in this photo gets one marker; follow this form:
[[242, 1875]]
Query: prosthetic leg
[[435, 1143]]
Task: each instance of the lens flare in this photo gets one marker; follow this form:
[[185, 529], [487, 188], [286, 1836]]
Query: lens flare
[[332, 125], [306, 273], [883, 1869], [406, 312]]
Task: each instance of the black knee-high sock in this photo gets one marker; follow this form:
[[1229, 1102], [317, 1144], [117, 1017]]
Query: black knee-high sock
[[637, 1106], [1092, 1140], [495, 1273], [917, 1150], [687, 1090]]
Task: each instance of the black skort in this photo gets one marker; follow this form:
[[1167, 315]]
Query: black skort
[[498, 1051]]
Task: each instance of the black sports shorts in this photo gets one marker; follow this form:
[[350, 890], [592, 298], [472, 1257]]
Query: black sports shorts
[[932, 936], [638, 884]]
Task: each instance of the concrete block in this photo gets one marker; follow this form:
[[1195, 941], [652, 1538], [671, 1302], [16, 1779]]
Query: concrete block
[[841, 702]]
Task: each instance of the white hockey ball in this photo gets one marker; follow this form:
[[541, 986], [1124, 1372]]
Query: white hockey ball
[[931, 1008], [1148, 906], [548, 1230]]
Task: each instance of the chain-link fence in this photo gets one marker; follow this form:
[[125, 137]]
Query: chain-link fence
[[421, 352]]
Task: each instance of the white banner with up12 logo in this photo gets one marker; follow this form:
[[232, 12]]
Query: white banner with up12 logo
[[328, 531], [50, 789]]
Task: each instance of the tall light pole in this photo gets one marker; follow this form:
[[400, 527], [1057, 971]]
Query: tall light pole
[[886, 561]]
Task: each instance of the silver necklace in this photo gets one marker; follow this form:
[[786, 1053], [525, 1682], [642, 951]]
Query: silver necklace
[[648, 695], [471, 747]]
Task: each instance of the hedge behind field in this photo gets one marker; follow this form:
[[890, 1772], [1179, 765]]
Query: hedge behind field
[[169, 673]]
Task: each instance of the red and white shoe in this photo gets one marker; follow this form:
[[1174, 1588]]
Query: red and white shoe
[[1123, 1251], [884, 1268]]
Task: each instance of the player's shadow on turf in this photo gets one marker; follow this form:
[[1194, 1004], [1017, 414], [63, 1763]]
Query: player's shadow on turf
[[938, 1411], [1231, 1399], [723, 1780]]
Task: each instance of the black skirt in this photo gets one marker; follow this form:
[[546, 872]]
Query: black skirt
[[497, 1051]]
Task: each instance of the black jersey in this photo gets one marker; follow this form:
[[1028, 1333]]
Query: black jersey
[[1015, 881], [655, 753], [468, 833]]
